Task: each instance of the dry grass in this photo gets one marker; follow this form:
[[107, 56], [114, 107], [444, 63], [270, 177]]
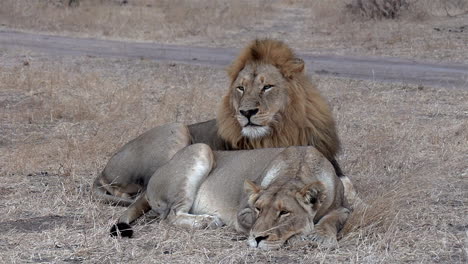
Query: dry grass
[[405, 147], [377, 9], [139, 19], [410, 9], [427, 29], [438, 7]]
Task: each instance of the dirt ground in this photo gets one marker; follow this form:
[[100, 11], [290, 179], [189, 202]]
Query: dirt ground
[[381, 69], [405, 147]]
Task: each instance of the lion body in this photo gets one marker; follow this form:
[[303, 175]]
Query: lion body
[[201, 188], [291, 112]]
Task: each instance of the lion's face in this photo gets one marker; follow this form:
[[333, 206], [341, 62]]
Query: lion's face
[[282, 212], [271, 103], [259, 94]]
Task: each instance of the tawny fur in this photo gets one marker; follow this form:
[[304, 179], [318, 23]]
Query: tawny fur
[[307, 120], [298, 193]]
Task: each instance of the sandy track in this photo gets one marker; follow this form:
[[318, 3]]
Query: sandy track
[[365, 68]]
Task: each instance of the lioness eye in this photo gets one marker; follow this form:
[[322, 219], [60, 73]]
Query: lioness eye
[[257, 209], [267, 87], [240, 88], [284, 213]]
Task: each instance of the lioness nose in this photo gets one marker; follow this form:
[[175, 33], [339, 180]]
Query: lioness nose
[[260, 238], [249, 113]]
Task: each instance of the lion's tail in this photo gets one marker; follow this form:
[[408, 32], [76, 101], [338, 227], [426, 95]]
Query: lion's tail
[[100, 193], [136, 210], [337, 167]]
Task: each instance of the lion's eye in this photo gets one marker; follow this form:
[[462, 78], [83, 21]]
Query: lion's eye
[[284, 213], [267, 87], [240, 88], [257, 209]]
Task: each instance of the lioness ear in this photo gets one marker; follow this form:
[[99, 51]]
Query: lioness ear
[[250, 187], [294, 66], [312, 193]]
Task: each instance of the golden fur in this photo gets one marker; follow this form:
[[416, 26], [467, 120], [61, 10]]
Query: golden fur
[[285, 194], [305, 120]]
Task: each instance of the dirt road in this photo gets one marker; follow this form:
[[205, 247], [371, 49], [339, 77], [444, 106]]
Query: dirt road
[[366, 68]]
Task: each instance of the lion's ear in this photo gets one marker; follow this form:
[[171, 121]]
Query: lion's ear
[[312, 193], [294, 66], [250, 187]]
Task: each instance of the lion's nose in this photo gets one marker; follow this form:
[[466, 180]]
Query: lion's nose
[[249, 113], [260, 238]]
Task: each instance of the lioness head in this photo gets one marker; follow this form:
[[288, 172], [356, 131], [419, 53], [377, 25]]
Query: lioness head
[[272, 103], [282, 212]]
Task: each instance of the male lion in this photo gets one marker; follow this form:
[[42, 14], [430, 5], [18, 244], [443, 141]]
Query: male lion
[[270, 103], [296, 192]]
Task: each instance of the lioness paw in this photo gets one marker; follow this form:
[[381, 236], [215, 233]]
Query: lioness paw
[[198, 221], [208, 221], [322, 239], [216, 223]]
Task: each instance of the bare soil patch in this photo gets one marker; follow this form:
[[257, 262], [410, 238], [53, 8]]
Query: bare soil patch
[[360, 67], [35, 224], [404, 146]]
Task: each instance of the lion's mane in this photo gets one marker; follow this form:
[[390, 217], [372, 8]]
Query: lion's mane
[[307, 120]]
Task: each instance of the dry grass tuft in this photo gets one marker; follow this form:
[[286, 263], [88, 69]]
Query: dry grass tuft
[[448, 8], [406, 9], [203, 17], [377, 9]]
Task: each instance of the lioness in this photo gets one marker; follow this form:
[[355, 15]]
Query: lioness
[[296, 192], [270, 103]]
